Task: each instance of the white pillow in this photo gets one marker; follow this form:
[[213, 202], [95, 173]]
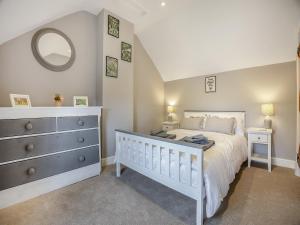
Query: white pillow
[[220, 125], [239, 126], [192, 123]]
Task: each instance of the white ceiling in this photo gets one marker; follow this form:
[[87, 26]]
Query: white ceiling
[[211, 36], [186, 37], [20, 16]]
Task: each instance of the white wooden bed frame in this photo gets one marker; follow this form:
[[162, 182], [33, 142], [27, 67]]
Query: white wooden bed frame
[[131, 150]]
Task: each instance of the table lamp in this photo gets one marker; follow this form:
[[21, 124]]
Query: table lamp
[[170, 110], [267, 110]]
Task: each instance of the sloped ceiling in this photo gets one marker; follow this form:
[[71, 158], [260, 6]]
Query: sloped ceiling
[[185, 38], [210, 36]]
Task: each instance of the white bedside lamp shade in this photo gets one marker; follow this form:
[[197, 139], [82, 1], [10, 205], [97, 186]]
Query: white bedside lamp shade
[[267, 110], [170, 110]]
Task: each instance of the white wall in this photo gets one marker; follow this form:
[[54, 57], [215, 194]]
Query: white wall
[[20, 73], [246, 90], [148, 92], [117, 93]]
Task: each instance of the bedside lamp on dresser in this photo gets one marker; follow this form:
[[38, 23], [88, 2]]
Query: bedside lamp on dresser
[[267, 110]]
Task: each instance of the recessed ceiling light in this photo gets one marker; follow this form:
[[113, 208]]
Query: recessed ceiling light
[[162, 4]]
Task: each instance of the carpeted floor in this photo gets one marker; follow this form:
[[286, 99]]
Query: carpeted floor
[[256, 198]]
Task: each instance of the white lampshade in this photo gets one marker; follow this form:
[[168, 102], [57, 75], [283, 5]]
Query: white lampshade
[[170, 109], [267, 109]]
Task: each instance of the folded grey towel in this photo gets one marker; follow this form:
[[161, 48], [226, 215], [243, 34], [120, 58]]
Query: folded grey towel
[[198, 139]]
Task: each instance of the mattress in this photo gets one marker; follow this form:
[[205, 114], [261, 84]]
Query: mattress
[[221, 163]]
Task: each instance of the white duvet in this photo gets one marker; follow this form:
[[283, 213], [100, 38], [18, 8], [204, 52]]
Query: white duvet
[[221, 163]]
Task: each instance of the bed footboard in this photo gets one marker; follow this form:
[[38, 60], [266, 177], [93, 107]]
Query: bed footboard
[[172, 163]]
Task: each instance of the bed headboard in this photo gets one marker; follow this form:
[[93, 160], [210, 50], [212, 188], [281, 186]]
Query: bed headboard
[[240, 116]]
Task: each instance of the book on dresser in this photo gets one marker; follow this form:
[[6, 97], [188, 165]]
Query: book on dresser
[[46, 148]]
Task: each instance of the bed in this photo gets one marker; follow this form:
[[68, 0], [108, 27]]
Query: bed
[[202, 175]]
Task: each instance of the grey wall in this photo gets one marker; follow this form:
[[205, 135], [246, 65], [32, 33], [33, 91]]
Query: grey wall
[[148, 91], [245, 90], [117, 94], [20, 73]]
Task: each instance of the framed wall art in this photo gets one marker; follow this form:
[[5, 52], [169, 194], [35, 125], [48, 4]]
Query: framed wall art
[[126, 51], [210, 84], [111, 67], [113, 26]]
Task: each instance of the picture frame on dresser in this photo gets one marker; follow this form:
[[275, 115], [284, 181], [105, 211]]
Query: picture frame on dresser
[[20, 100], [81, 101]]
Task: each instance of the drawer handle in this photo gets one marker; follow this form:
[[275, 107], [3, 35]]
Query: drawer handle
[[28, 126], [31, 171], [81, 158], [80, 123], [80, 140], [258, 138], [29, 147]]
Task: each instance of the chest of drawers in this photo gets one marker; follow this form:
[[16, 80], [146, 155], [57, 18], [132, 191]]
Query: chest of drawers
[[42, 149]]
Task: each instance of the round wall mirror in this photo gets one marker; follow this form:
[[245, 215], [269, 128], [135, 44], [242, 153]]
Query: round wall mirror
[[53, 49]]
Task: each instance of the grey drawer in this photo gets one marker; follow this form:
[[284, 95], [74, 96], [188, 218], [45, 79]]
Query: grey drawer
[[77, 122], [15, 174], [18, 127], [20, 148]]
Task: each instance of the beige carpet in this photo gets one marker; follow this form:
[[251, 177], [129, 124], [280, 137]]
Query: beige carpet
[[256, 198]]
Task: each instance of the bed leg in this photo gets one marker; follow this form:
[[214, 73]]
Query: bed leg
[[199, 212], [118, 169]]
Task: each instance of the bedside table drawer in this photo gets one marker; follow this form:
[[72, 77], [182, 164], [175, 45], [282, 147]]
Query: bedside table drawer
[[167, 127], [258, 138]]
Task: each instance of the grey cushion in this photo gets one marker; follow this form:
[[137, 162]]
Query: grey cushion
[[221, 125], [192, 123]]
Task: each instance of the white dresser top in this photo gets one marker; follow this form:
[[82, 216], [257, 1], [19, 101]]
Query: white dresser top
[[38, 112], [259, 130]]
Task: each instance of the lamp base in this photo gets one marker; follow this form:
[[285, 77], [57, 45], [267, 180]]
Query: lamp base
[[268, 123]]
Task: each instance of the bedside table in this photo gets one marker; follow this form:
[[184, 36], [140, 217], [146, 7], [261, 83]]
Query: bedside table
[[259, 136], [170, 125]]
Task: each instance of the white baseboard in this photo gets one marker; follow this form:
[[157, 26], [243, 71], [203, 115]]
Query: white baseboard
[[283, 163], [108, 161]]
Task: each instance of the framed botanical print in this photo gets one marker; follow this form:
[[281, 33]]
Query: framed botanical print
[[20, 101], [113, 26], [111, 67], [126, 51], [210, 84], [81, 101]]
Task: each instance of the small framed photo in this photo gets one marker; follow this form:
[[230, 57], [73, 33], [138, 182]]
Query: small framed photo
[[111, 67], [126, 50], [20, 101], [113, 26], [210, 84], [81, 101]]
